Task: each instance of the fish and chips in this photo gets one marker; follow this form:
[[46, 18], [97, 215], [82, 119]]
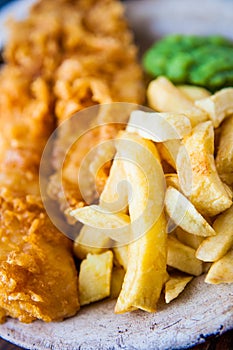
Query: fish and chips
[[158, 209]]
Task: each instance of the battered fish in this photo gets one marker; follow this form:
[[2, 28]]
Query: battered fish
[[38, 278], [35, 258]]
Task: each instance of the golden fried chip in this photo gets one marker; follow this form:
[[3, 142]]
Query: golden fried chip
[[146, 270], [175, 285], [197, 172], [95, 277], [189, 239], [214, 248], [224, 159], [168, 151], [183, 257], [121, 255], [114, 196], [194, 92], [163, 96], [113, 225], [159, 127], [90, 241], [185, 215], [217, 106], [221, 271]]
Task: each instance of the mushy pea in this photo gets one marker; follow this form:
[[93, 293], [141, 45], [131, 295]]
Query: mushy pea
[[204, 61]]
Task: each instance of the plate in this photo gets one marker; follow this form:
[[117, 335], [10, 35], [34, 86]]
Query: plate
[[202, 310]]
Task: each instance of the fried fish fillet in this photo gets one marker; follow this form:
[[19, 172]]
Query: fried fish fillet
[[26, 121], [38, 278]]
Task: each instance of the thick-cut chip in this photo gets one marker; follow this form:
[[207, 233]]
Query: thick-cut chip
[[100, 218], [194, 92], [159, 127], [224, 159], [221, 271], [185, 215], [95, 277], [114, 196], [163, 96], [197, 172], [146, 272], [90, 241], [183, 257], [214, 248], [189, 239], [218, 106], [175, 285], [169, 151], [121, 256], [117, 279], [113, 225]]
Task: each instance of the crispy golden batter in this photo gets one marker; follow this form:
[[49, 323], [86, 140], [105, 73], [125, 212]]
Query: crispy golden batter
[[85, 50], [38, 278], [91, 35], [35, 259], [26, 122], [101, 68]]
